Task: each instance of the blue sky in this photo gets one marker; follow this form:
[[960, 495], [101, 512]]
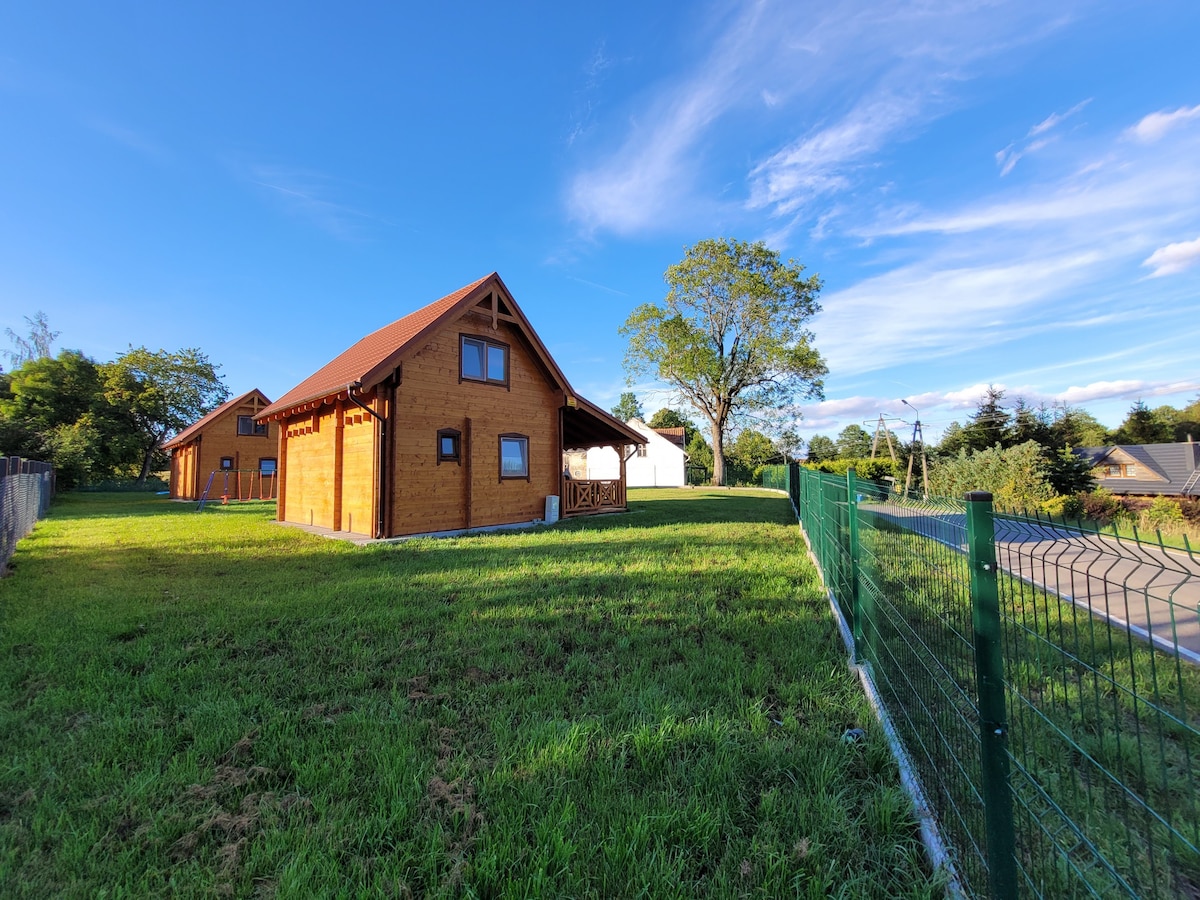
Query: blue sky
[[993, 193]]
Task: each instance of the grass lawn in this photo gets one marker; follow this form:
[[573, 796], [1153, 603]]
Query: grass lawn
[[649, 704]]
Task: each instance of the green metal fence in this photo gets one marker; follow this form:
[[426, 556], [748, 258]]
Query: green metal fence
[[1042, 679]]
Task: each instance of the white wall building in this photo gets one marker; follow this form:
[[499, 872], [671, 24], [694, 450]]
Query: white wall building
[[660, 462]]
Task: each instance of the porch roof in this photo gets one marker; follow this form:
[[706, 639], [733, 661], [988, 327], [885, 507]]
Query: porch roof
[[587, 425]]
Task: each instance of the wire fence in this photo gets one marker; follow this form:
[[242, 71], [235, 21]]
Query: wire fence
[[26, 488], [1041, 676]]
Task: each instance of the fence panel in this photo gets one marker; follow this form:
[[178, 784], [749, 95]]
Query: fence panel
[[1099, 639], [26, 487]]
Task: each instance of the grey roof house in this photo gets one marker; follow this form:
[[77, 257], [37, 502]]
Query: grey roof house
[[1165, 469]]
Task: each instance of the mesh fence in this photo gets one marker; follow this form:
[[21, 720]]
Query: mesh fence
[[25, 491], [1078, 777]]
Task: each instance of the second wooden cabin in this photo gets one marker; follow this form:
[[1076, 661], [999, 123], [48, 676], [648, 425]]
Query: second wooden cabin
[[453, 417]]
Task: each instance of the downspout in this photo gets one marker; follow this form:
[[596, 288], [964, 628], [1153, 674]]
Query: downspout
[[350, 388]]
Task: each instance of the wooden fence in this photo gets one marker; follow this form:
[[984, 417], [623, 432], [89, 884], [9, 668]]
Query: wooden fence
[[26, 487]]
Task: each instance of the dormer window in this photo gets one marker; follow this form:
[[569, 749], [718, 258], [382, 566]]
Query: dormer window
[[483, 360]]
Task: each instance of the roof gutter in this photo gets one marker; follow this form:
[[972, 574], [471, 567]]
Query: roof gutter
[[350, 389]]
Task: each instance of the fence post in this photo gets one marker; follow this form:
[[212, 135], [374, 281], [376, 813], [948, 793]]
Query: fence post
[[989, 678], [852, 534]]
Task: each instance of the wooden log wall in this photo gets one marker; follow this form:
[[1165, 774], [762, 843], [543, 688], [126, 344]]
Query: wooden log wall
[[192, 463], [427, 496]]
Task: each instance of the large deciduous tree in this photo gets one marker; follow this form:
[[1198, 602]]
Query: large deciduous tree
[[162, 393], [730, 337]]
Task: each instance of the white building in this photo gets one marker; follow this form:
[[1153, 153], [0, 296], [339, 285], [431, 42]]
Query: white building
[[660, 462]]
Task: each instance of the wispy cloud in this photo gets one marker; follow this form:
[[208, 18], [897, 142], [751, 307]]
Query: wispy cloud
[[1033, 141], [311, 196], [129, 138], [1174, 258], [833, 70], [1157, 124], [938, 408]]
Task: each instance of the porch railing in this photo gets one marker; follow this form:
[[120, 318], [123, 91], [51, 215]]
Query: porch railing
[[583, 496]]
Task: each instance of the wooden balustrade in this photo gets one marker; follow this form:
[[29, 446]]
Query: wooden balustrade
[[583, 496]]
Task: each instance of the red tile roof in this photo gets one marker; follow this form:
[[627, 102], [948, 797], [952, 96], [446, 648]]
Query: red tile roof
[[192, 430], [356, 363], [676, 436]]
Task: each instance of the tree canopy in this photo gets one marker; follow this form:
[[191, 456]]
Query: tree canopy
[[163, 393], [628, 407], [730, 336], [38, 343]]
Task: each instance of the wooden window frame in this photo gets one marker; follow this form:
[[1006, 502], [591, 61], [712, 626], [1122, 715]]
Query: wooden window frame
[[454, 434], [254, 427], [487, 343], [227, 468], [513, 436]]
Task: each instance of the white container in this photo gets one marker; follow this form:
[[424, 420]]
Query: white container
[[552, 509]]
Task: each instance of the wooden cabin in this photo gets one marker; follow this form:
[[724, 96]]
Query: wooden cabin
[[454, 417], [231, 447]]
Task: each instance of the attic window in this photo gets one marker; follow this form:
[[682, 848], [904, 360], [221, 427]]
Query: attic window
[[247, 425], [484, 360]]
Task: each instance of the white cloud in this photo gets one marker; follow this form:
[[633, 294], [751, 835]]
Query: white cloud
[[840, 65], [1008, 157], [926, 309], [1157, 124], [822, 161], [1052, 120], [1174, 258], [937, 408], [308, 195]]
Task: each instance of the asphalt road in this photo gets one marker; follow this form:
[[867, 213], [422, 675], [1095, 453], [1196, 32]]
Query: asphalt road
[[1153, 592]]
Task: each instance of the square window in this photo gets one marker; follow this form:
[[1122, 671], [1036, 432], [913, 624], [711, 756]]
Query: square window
[[226, 462], [266, 466], [483, 360], [514, 456], [449, 444]]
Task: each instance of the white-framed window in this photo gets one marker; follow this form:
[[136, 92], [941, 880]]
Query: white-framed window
[[483, 360], [514, 456]]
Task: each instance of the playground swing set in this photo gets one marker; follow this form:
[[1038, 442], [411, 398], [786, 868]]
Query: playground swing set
[[239, 485]]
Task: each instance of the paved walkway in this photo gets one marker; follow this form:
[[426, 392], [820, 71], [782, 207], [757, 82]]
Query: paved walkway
[[1153, 592]]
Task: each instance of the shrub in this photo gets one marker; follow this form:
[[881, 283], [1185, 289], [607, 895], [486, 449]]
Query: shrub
[[1102, 507], [1163, 514], [1064, 507], [1190, 507]]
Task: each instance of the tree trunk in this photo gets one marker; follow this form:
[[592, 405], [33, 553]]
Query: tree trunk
[[718, 447], [146, 460]]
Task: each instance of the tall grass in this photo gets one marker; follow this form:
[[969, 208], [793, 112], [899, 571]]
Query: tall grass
[[641, 705]]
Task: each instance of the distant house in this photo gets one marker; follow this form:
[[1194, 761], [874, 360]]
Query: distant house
[[1146, 469], [454, 417], [227, 440], [659, 462]]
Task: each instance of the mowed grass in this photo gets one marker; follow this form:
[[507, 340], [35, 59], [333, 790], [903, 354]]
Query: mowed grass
[[649, 704]]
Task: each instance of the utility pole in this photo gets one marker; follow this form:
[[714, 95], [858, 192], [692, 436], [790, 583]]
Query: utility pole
[[881, 427], [918, 438]]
